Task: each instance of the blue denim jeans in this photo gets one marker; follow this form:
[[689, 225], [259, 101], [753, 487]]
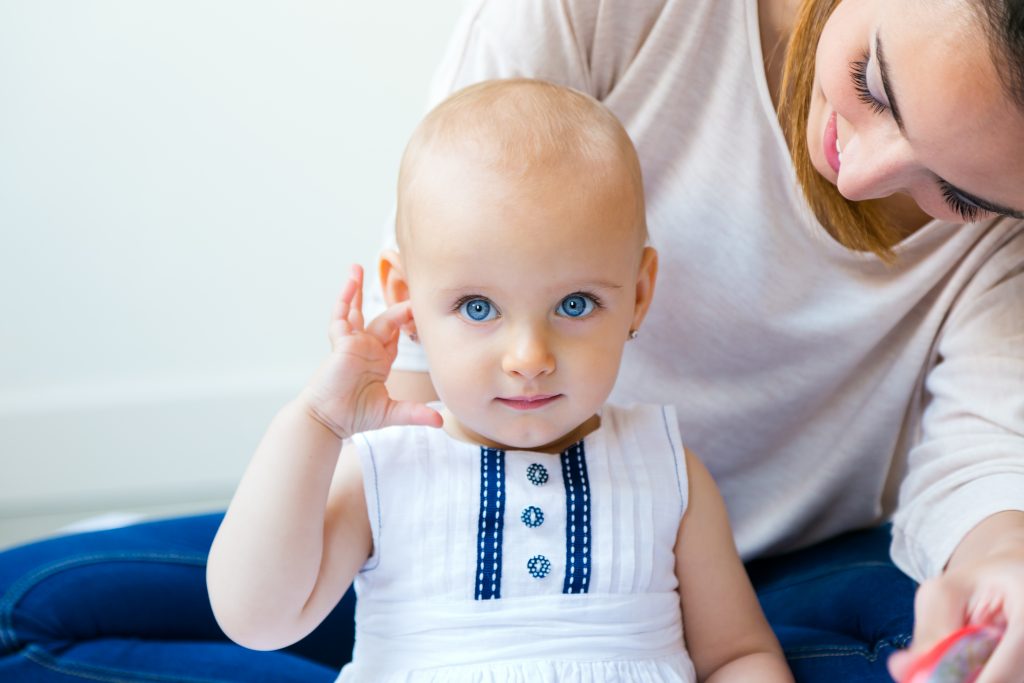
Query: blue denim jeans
[[130, 605]]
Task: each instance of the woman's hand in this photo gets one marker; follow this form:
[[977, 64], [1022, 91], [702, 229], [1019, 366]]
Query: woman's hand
[[984, 584], [347, 394]]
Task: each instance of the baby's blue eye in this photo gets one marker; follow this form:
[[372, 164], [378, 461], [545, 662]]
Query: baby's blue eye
[[478, 310], [576, 306]]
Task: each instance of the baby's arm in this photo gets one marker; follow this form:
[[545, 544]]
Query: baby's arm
[[726, 632], [297, 531]]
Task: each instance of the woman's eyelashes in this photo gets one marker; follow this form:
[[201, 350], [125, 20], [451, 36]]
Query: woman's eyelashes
[[968, 211], [859, 75], [479, 309]]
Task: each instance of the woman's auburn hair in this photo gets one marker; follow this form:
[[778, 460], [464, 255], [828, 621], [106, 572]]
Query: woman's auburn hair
[[859, 226]]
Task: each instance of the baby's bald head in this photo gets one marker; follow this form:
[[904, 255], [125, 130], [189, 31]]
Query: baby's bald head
[[518, 133]]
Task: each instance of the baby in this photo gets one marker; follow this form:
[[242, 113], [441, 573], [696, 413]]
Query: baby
[[521, 529]]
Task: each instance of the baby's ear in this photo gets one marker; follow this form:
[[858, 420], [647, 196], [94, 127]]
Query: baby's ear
[[392, 277], [394, 284], [646, 278]]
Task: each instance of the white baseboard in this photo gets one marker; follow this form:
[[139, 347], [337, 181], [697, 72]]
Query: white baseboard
[[25, 529], [149, 449]]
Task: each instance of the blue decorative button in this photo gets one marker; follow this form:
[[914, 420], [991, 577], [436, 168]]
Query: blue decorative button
[[539, 566], [537, 474], [532, 516]]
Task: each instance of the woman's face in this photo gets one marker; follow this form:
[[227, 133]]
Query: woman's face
[[907, 100]]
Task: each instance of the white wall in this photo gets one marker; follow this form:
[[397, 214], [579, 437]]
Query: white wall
[[183, 184]]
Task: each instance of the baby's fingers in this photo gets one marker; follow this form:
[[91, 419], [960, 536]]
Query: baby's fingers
[[357, 303], [346, 316], [355, 313], [385, 327], [412, 413]]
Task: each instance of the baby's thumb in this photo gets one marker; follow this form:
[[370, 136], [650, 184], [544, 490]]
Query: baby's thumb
[[412, 413]]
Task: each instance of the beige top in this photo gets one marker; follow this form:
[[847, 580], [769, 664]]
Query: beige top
[[824, 390]]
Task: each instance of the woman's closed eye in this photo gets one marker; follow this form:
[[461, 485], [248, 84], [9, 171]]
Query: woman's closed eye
[[965, 209], [476, 309], [578, 305], [859, 76]]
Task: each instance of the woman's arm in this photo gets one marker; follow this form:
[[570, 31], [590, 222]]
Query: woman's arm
[[726, 632], [959, 528], [725, 629]]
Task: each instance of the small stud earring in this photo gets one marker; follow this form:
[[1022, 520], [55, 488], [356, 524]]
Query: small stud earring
[[633, 334], [413, 337]]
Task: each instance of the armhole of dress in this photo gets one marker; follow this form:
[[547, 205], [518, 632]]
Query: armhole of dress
[[371, 491], [678, 454]]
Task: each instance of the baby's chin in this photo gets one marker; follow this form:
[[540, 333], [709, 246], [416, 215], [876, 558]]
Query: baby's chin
[[505, 437]]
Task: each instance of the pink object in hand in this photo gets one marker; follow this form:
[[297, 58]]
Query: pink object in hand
[[959, 658]]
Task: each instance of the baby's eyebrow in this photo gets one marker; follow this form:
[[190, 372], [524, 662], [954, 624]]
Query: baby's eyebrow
[[592, 284], [461, 288], [598, 284]]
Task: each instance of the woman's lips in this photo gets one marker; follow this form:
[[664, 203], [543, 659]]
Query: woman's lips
[[528, 402], [831, 143]]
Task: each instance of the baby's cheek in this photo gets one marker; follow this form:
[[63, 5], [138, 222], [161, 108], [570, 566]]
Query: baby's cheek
[[596, 373]]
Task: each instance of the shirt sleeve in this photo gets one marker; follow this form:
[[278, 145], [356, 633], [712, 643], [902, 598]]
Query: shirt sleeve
[[968, 462]]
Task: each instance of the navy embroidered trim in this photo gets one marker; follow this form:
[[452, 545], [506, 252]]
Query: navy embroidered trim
[[577, 520], [491, 524]]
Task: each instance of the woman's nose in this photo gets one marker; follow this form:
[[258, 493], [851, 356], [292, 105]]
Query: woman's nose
[[875, 165], [528, 354]]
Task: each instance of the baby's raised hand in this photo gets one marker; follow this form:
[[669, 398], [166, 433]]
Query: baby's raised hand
[[347, 393]]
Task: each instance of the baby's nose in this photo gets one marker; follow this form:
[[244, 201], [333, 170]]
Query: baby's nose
[[528, 355]]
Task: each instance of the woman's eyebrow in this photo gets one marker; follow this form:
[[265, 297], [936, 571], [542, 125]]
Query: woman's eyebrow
[[883, 68]]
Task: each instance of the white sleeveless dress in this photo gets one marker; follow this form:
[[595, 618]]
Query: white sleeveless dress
[[497, 566]]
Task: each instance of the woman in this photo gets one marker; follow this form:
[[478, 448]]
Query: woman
[[839, 322]]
